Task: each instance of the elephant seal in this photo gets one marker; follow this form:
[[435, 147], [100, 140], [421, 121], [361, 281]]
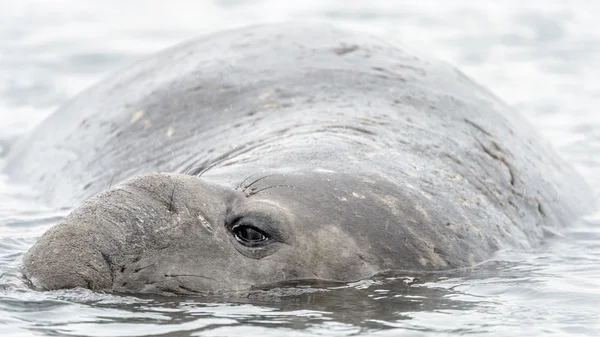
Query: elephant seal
[[288, 152]]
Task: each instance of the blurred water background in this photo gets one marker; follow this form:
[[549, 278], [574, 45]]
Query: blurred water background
[[541, 57]]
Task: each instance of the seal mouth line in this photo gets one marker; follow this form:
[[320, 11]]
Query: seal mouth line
[[190, 275]]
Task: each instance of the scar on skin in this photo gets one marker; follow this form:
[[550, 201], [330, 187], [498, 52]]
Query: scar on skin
[[356, 195], [137, 116]]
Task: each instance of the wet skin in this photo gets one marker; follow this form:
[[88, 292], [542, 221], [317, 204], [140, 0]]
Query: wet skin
[[287, 152]]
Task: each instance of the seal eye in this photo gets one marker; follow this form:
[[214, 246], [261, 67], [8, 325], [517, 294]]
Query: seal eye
[[249, 235]]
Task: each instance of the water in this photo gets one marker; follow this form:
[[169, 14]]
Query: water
[[542, 57]]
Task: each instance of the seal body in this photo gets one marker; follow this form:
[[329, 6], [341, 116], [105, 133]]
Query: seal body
[[288, 152]]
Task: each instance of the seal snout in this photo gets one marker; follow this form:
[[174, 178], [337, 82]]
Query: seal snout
[[123, 233], [67, 257]]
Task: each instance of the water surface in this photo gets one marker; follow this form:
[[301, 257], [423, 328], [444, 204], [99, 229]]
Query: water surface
[[541, 57]]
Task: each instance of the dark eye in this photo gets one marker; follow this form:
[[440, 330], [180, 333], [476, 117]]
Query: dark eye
[[249, 235]]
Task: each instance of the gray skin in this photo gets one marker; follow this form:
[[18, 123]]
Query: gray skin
[[289, 152]]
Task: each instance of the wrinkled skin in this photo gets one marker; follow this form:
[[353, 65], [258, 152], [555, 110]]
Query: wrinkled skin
[[295, 152]]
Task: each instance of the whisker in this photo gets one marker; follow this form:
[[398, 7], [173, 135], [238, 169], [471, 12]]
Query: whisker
[[246, 179], [269, 187], [257, 180], [112, 177]]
